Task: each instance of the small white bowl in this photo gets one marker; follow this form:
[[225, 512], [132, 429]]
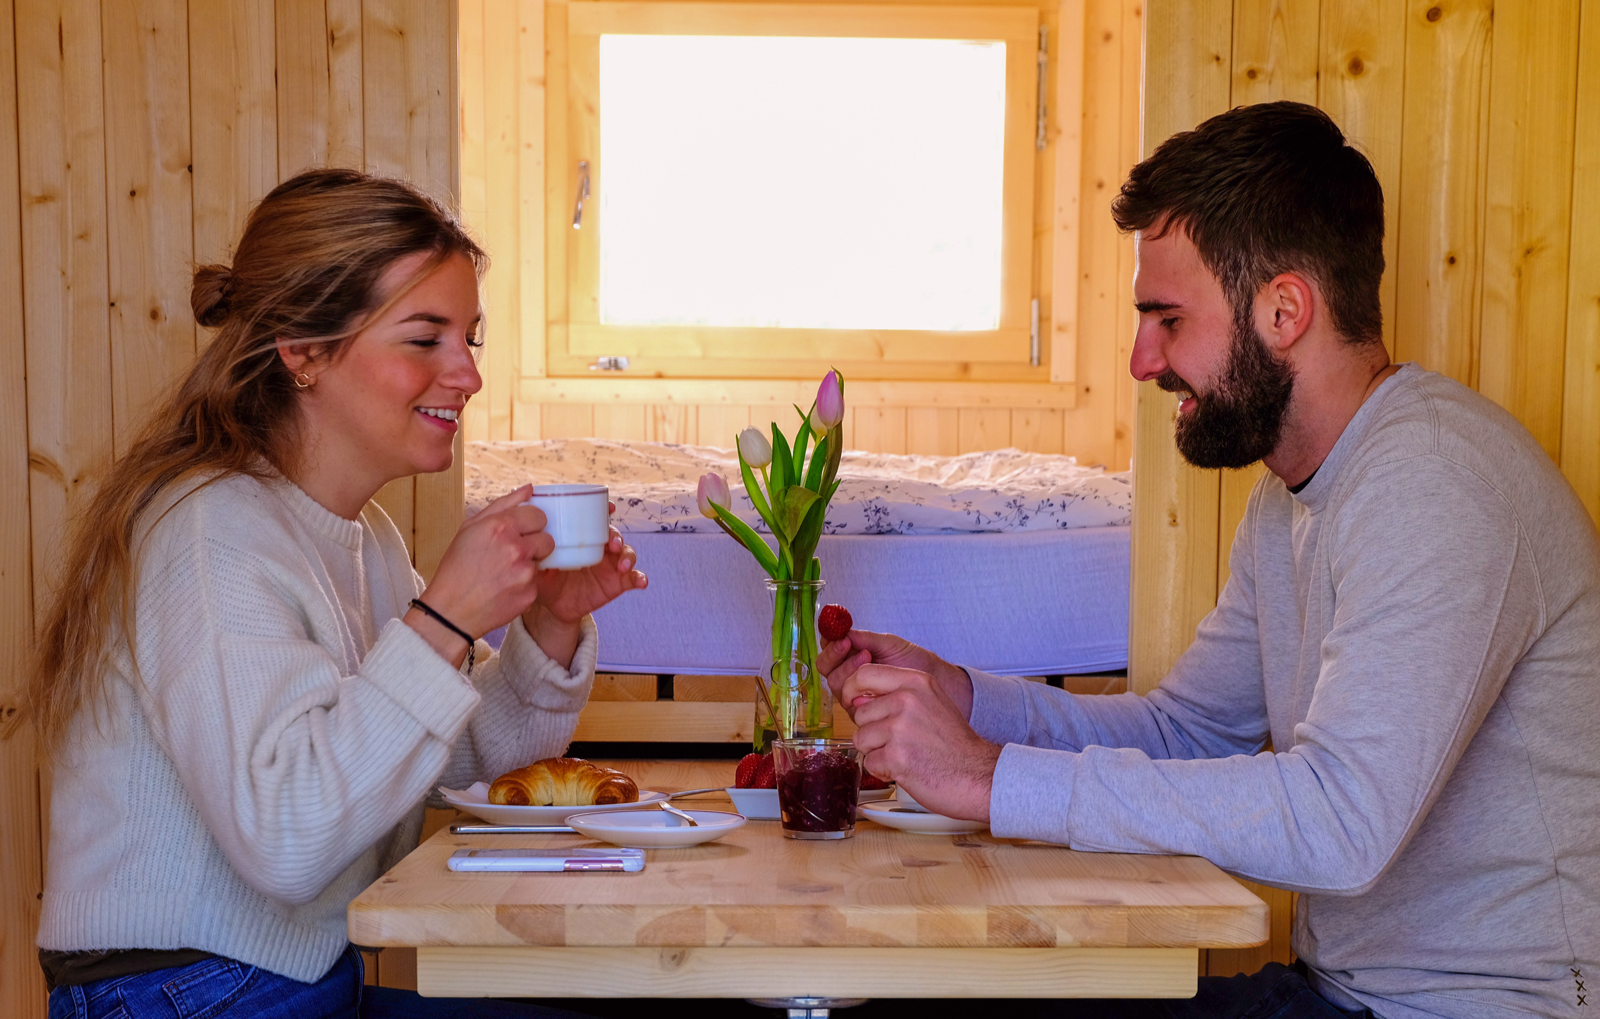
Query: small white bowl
[[655, 829], [762, 804]]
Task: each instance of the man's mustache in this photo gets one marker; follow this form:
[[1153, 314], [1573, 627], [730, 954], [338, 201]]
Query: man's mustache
[[1172, 382]]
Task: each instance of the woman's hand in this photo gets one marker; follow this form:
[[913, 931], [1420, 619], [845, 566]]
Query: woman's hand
[[566, 596], [841, 659], [488, 575]]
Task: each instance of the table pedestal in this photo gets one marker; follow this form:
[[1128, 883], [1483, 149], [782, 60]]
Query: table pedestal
[[634, 972]]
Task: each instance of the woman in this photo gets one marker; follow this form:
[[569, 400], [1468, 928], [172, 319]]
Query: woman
[[246, 689]]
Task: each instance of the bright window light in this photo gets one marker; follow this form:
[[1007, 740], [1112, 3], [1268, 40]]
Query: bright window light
[[801, 182]]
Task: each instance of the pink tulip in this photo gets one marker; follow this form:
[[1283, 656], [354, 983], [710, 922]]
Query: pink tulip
[[714, 491], [830, 401]]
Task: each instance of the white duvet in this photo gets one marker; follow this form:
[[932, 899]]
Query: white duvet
[[654, 487]]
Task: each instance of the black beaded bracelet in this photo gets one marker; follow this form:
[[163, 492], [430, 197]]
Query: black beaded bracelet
[[472, 645]]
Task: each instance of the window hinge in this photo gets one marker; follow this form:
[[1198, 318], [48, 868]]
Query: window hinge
[[1044, 74], [1033, 336], [610, 363]]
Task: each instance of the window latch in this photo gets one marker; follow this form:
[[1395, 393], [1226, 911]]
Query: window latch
[[583, 194], [610, 363]]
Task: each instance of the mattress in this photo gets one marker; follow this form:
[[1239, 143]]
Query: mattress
[[1025, 604], [1015, 563]]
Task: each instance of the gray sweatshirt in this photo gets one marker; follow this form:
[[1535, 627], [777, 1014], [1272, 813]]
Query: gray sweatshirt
[[1416, 633]]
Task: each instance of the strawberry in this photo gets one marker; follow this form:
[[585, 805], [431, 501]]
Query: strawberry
[[766, 774], [834, 623], [746, 771]]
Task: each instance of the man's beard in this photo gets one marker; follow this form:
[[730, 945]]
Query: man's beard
[[1241, 419]]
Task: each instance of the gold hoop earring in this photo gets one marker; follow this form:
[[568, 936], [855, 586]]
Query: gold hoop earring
[[302, 385]]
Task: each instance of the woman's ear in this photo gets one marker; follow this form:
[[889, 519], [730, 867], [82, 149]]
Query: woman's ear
[[297, 357]]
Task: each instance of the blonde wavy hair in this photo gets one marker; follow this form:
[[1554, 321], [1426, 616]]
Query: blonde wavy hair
[[307, 269]]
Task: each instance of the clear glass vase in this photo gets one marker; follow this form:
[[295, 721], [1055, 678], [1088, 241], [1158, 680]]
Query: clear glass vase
[[793, 700]]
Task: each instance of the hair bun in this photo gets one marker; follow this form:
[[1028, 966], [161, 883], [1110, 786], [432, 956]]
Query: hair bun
[[213, 284]]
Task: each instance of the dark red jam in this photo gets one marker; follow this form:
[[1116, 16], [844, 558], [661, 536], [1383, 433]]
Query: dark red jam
[[818, 793]]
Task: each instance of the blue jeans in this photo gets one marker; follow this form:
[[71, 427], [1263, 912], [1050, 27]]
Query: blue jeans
[[225, 989]]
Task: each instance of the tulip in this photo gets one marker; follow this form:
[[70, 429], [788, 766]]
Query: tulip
[[714, 492], [755, 448], [830, 401]]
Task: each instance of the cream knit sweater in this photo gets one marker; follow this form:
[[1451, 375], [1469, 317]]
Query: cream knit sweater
[[269, 757]]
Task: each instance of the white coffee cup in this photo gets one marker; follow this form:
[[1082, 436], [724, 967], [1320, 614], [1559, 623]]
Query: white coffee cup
[[578, 517]]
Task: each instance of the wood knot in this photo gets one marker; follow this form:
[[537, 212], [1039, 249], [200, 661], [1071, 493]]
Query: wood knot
[[1434, 14], [48, 467], [11, 716], [914, 862], [1355, 67], [1252, 74], [1450, 259]]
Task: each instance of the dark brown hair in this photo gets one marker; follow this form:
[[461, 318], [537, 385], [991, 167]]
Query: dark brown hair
[[308, 268], [1267, 189]]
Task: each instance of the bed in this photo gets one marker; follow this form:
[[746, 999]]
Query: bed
[[1011, 562]]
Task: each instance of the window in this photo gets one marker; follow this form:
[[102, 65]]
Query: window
[[770, 188]]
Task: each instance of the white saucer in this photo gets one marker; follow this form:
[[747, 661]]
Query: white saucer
[[655, 829], [475, 801], [762, 804], [921, 822]]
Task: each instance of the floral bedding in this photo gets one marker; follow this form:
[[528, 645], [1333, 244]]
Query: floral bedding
[[653, 485]]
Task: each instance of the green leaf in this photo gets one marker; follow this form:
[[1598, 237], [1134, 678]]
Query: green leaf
[[802, 439], [751, 540], [790, 507], [753, 490], [835, 451], [782, 462], [805, 540], [818, 461]]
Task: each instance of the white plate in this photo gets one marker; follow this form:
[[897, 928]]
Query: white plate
[[904, 799], [655, 829], [921, 822], [475, 801], [762, 804]]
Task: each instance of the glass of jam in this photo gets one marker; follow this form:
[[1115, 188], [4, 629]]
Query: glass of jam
[[818, 782]]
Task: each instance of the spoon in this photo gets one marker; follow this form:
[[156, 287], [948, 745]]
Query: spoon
[[669, 808]]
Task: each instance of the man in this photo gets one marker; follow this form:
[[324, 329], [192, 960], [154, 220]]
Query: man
[[1394, 708]]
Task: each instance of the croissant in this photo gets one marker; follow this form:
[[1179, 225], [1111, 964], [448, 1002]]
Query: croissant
[[562, 782]]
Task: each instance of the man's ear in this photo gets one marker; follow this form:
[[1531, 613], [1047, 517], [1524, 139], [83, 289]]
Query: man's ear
[[1285, 308]]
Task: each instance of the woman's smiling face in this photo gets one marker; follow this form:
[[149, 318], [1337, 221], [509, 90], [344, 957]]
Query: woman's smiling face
[[389, 405]]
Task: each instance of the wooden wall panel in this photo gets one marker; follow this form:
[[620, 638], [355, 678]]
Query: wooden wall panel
[[1174, 505], [933, 430], [149, 204], [1580, 406], [303, 92], [1275, 51], [1362, 81], [62, 177], [21, 848], [1532, 93], [233, 98], [1438, 259]]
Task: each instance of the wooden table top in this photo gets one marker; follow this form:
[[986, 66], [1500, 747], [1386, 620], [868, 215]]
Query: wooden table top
[[882, 888]]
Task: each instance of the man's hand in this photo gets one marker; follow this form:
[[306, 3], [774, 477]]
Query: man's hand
[[841, 659], [911, 732]]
